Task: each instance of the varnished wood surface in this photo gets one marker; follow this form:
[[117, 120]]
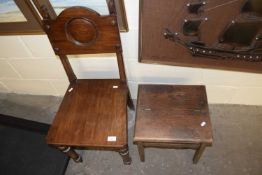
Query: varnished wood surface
[[199, 153], [157, 15], [172, 114], [92, 111], [68, 69], [82, 30]]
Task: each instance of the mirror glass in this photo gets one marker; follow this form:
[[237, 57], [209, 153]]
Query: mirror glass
[[9, 12], [98, 5]]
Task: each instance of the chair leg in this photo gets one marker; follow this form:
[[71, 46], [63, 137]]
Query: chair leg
[[71, 153], [130, 102], [124, 153], [141, 151], [198, 153]]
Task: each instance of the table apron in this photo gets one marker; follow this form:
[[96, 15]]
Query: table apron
[[171, 145]]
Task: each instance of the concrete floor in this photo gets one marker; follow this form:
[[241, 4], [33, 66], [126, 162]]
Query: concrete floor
[[237, 147]]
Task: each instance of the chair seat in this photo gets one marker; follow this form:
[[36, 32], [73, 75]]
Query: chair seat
[[93, 113]]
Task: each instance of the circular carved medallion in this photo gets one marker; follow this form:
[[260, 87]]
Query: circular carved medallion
[[81, 31]]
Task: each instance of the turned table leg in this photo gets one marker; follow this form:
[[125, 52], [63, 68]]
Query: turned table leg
[[198, 153], [124, 152], [141, 151], [71, 153]]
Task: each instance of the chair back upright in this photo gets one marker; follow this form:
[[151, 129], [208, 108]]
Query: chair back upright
[[80, 30]]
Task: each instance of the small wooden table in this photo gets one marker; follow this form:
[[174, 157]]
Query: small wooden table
[[172, 116]]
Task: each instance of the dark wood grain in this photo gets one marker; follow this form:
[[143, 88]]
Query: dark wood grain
[[93, 113], [154, 48], [68, 69], [172, 113], [171, 116], [73, 26]]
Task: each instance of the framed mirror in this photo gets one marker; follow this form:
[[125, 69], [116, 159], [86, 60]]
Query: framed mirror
[[22, 17], [16, 17], [100, 6]]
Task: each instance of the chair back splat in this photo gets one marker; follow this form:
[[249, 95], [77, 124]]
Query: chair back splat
[[80, 30]]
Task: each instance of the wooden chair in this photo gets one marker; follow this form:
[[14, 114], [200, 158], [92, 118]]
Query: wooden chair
[[93, 113]]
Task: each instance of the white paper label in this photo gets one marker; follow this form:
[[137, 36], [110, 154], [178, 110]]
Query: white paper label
[[111, 138], [203, 124]]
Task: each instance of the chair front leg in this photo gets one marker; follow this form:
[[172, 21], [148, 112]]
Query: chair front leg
[[70, 153], [124, 153]]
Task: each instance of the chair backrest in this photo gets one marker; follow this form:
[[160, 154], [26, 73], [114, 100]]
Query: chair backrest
[[80, 30]]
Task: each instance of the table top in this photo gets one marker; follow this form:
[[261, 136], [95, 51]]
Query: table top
[[173, 114]]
